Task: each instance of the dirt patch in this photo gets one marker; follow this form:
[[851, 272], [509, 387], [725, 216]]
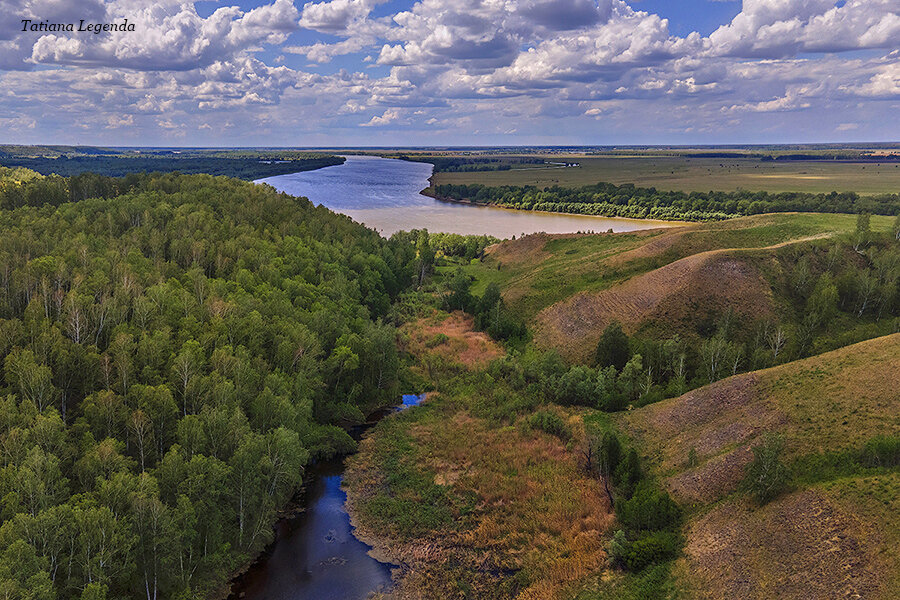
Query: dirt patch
[[712, 480], [677, 293], [526, 249], [462, 344], [719, 422], [802, 546]]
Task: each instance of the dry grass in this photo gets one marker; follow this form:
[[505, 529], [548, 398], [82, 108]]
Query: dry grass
[[801, 546], [531, 510], [463, 345], [828, 402], [671, 294], [525, 520]]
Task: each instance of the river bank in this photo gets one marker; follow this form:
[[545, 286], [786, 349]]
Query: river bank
[[651, 223]]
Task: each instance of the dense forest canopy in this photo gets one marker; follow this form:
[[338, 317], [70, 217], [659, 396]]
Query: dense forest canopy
[[171, 355], [242, 165], [626, 200]]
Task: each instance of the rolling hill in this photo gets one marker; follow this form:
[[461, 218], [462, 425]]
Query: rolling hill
[[835, 534]]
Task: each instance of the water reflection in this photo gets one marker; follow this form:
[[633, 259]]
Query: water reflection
[[316, 555]]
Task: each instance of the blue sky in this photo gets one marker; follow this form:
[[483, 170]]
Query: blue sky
[[452, 72]]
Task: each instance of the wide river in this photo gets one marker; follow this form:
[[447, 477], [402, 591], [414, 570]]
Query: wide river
[[384, 194]]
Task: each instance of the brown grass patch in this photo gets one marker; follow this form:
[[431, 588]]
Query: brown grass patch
[[801, 546], [526, 249], [671, 294], [534, 510], [464, 345]]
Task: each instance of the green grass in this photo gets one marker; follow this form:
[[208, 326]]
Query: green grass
[[568, 265], [699, 174], [653, 583]]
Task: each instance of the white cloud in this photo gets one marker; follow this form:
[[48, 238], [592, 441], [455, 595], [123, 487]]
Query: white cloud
[[464, 66], [780, 28], [390, 115], [167, 36]]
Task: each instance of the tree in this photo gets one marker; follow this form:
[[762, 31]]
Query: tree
[[33, 381], [863, 230], [613, 349], [459, 296], [776, 338], [141, 429], [766, 477], [424, 256]]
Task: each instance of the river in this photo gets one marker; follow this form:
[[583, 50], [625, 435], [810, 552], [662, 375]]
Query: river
[[384, 194], [315, 554]]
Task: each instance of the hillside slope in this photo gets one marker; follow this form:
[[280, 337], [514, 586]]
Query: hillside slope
[[571, 286], [832, 538]]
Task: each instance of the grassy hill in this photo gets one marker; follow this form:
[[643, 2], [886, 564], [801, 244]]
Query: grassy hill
[[835, 534], [571, 286]]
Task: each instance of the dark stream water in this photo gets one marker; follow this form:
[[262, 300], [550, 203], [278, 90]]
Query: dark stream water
[[315, 555]]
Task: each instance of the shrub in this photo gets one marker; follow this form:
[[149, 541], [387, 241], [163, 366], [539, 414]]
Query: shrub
[[766, 477], [437, 340], [652, 548], [550, 422], [618, 549], [628, 474], [649, 509]]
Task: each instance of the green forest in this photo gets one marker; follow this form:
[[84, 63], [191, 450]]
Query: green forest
[[172, 353], [609, 200], [242, 165]]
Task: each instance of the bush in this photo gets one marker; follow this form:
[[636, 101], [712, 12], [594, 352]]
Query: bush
[[618, 549], [437, 340], [767, 476], [550, 422], [652, 548], [649, 509], [628, 473]]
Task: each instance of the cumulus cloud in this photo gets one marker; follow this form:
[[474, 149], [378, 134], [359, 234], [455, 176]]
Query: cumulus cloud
[[389, 116], [471, 66], [168, 35], [780, 28]]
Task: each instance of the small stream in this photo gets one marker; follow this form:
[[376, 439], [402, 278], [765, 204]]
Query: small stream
[[315, 554]]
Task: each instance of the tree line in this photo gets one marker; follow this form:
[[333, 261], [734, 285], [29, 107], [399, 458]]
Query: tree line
[[238, 166], [627, 200]]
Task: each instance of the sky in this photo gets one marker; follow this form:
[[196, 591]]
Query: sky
[[451, 72]]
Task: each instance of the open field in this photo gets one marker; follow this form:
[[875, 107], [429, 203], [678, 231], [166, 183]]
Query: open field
[[697, 174], [831, 538]]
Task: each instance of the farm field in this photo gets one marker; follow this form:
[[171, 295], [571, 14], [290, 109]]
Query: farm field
[[696, 174]]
